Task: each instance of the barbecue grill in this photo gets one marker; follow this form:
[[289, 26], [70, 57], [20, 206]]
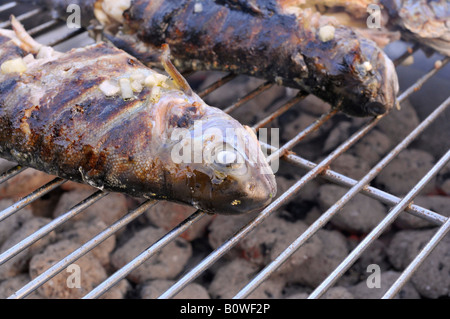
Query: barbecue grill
[[38, 22]]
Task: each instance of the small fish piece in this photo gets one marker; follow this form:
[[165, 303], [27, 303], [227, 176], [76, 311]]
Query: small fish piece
[[422, 21], [351, 13], [257, 38], [425, 21], [358, 8], [97, 115]]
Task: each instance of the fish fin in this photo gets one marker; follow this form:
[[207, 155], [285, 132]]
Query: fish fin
[[28, 43], [179, 80], [251, 131]]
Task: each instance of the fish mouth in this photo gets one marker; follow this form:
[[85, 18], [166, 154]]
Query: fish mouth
[[258, 195], [376, 108], [380, 92], [235, 196], [386, 97]]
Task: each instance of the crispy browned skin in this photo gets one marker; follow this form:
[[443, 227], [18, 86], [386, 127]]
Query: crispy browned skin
[[54, 117]]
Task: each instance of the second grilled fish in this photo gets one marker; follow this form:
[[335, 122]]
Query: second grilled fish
[[255, 38]]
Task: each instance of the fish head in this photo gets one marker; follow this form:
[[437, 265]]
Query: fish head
[[371, 82], [225, 170]]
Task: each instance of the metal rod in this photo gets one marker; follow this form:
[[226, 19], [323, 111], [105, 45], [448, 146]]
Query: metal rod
[[31, 197], [28, 241], [289, 104], [331, 279], [343, 180], [85, 248], [416, 86], [42, 27], [22, 17], [66, 37], [407, 54], [8, 6], [378, 230], [325, 217], [260, 89], [225, 247], [277, 153], [217, 84], [11, 173], [144, 256], [417, 261], [371, 191]]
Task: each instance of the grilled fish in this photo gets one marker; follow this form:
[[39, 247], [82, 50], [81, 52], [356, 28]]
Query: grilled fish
[[255, 38], [425, 21], [422, 21], [96, 115]]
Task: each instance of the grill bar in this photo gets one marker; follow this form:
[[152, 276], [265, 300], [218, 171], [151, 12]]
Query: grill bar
[[31, 197], [88, 246], [7, 6], [11, 173], [277, 153], [214, 86], [376, 232], [139, 260], [417, 262], [373, 192], [260, 89], [22, 17], [28, 241], [300, 96], [43, 27], [334, 209], [66, 37]]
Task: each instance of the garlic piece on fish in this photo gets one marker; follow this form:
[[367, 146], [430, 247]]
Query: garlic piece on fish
[[108, 88], [125, 87], [14, 65], [326, 33]]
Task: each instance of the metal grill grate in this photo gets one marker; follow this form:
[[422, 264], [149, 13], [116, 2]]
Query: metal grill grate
[[45, 25]]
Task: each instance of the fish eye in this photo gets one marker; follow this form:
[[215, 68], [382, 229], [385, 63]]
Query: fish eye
[[226, 157], [229, 158]]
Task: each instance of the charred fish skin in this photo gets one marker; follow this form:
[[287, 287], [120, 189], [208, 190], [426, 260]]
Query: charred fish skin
[[62, 113], [259, 40]]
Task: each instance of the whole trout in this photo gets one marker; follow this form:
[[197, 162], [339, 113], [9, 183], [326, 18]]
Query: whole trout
[[97, 115]]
